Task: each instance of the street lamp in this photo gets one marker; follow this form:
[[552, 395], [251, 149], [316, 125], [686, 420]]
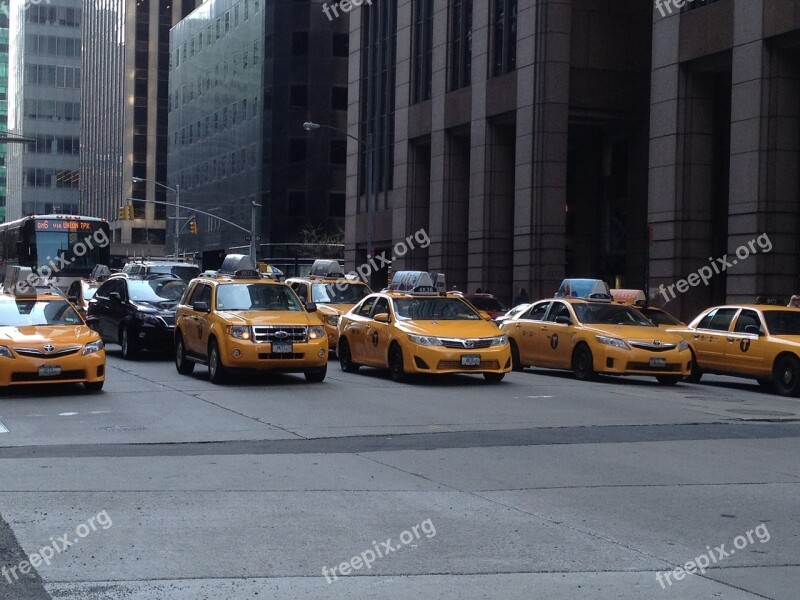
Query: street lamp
[[311, 126], [177, 191]]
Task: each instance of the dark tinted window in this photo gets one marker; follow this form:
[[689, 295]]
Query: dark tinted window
[[746, 317], [537, 311], [559, 309], [366, 307], [721, 321]]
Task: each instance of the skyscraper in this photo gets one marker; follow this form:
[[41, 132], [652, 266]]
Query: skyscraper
[[3, 105]]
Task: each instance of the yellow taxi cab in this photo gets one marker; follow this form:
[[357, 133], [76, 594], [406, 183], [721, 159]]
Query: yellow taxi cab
[[582, 330], [754, 341], [332, 292], [416, 329], [43, 339], [637, 299], [238, 320]]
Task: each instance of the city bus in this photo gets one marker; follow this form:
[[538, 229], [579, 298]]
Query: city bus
[[63, 248]]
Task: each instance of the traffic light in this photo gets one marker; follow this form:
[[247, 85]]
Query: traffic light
[[193, 227], [126, 212]]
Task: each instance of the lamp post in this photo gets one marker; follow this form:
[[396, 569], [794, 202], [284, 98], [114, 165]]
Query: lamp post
[[311, 126], [177, 191]]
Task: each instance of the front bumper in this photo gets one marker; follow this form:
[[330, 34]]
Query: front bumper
[[332, 333], [74, 369], [153, 337], [618, 361], [244, 354], [437, 359]]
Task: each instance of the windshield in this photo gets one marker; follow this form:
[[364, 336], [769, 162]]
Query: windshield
[[37, 312], [488, 304], [89, 291], [187, 273], [782, 322], [157, 290], [430, 309], [338, 293], [659, 317], [82, 248], [256, 296], [610, 314]]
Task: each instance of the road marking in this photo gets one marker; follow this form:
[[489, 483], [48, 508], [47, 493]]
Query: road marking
[[3, 428], [539, 396], [67, 414]]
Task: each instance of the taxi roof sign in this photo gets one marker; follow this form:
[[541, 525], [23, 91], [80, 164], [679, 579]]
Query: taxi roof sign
[[235, 263], [412, 281], [327, 268], [587, 289], [636, 297]]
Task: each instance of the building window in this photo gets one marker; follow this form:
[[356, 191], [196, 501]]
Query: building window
[[460, 44], [338, 98], [504, 43], [297, 150], [337, 204], [298, 96], [299, 43], [341, 44], [422, 50], [338, 152], [296, 204]]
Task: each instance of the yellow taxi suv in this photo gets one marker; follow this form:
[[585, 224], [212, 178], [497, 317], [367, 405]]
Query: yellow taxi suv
[[44, 340], [754, 341], [637, 299], [241, 321], [582, 330], [420, 332], [333, 294]]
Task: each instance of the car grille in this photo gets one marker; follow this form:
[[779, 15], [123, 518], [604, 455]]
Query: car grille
[[643, 366], [170, 321], [275, 356], [469, 344], [64, 375], [455, 365], [36, 353], [651, 347], [277, 333]]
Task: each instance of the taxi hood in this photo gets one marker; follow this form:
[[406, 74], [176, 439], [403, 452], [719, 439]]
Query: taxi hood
[[42, 334], [269, 318], [454, 329], [634, 333]]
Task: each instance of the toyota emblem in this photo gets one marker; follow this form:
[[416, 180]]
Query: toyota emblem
[[49, 348], [656, 343], [469, 344]]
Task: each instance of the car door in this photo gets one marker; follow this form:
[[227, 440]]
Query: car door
[[745, 353], [98, 307], [184, 317], [526, 328], [357, 329], [376, 339], [552, 346], [198, 324], [709, 338], [117, 309]]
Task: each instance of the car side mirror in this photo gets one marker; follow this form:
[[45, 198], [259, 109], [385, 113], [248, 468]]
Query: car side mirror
[[115, 297], [311, 307], [563, 320], [201, 307], [753, 330], [73, 299], [91, 321], [382, 318], [484, 315]]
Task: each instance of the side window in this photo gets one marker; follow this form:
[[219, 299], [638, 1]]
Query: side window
[[302, 291], [746, 317], [706, 321], [721, 321], [203, 294], [366, 307], [536, 312], [191, 294], [121, 286], [381, 306], [105, 289], [559, 309]]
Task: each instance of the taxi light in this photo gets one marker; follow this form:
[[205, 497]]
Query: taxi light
[[424, 340], [240, 332], [316, 332], [500, 340], [610, 341], [332, 320], [5, 352], [684, 345], [93, 347]]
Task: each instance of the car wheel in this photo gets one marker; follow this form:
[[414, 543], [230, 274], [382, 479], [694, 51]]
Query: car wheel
[[787, 376], [396, 371], [668, 380], [766, 383], [316, 375], [185, 367], [129, 349], [583, 363], [494, 377], [515, 362], [345, 357], [93, 386], [696, 373], [216, 370]]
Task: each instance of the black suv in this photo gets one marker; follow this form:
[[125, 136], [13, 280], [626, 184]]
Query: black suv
[[137, 313]]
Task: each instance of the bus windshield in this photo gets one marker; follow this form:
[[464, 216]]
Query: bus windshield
[[69, 251]]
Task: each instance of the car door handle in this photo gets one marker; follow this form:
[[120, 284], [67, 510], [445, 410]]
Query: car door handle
[[730, 339]]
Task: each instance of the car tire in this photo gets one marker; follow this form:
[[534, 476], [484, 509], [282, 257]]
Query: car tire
[[786, 375], [494, 377], [583, 363], [766, 383], [396, 370], [346, 357], [668, 380], [316, 375], [216, 370], [516, 365], [93, 386], [184, 366], [129, 349], [696, 373]]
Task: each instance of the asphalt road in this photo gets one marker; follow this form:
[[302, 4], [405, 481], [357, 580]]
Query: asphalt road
[[165, 486]]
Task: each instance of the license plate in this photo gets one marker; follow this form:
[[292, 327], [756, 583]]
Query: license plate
[[470, 360], [282, 347], [658, 362], [49, 371]]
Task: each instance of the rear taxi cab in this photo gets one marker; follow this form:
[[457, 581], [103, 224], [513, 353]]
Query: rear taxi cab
[[242, 321], [754, 341], [582, 330], [333, 294], [419, 330], [43, 339], [637, 299]]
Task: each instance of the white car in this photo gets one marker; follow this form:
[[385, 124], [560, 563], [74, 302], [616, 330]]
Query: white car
[[517, 310]]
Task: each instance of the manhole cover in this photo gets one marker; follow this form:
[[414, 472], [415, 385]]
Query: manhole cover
[[125, 428], [761, 413]]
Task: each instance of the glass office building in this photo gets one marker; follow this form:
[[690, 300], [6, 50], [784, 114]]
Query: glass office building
[[3, 108]]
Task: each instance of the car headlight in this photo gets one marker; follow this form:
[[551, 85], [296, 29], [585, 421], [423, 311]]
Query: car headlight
[[424, 340], [240, 332], [93, 347], [684, 345], [500, 340], [6, 352], [332, 320], [150, 319], [316, 332], [611, 341]]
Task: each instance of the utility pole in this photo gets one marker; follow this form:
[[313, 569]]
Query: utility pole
[[177, 220], [253, 229]]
